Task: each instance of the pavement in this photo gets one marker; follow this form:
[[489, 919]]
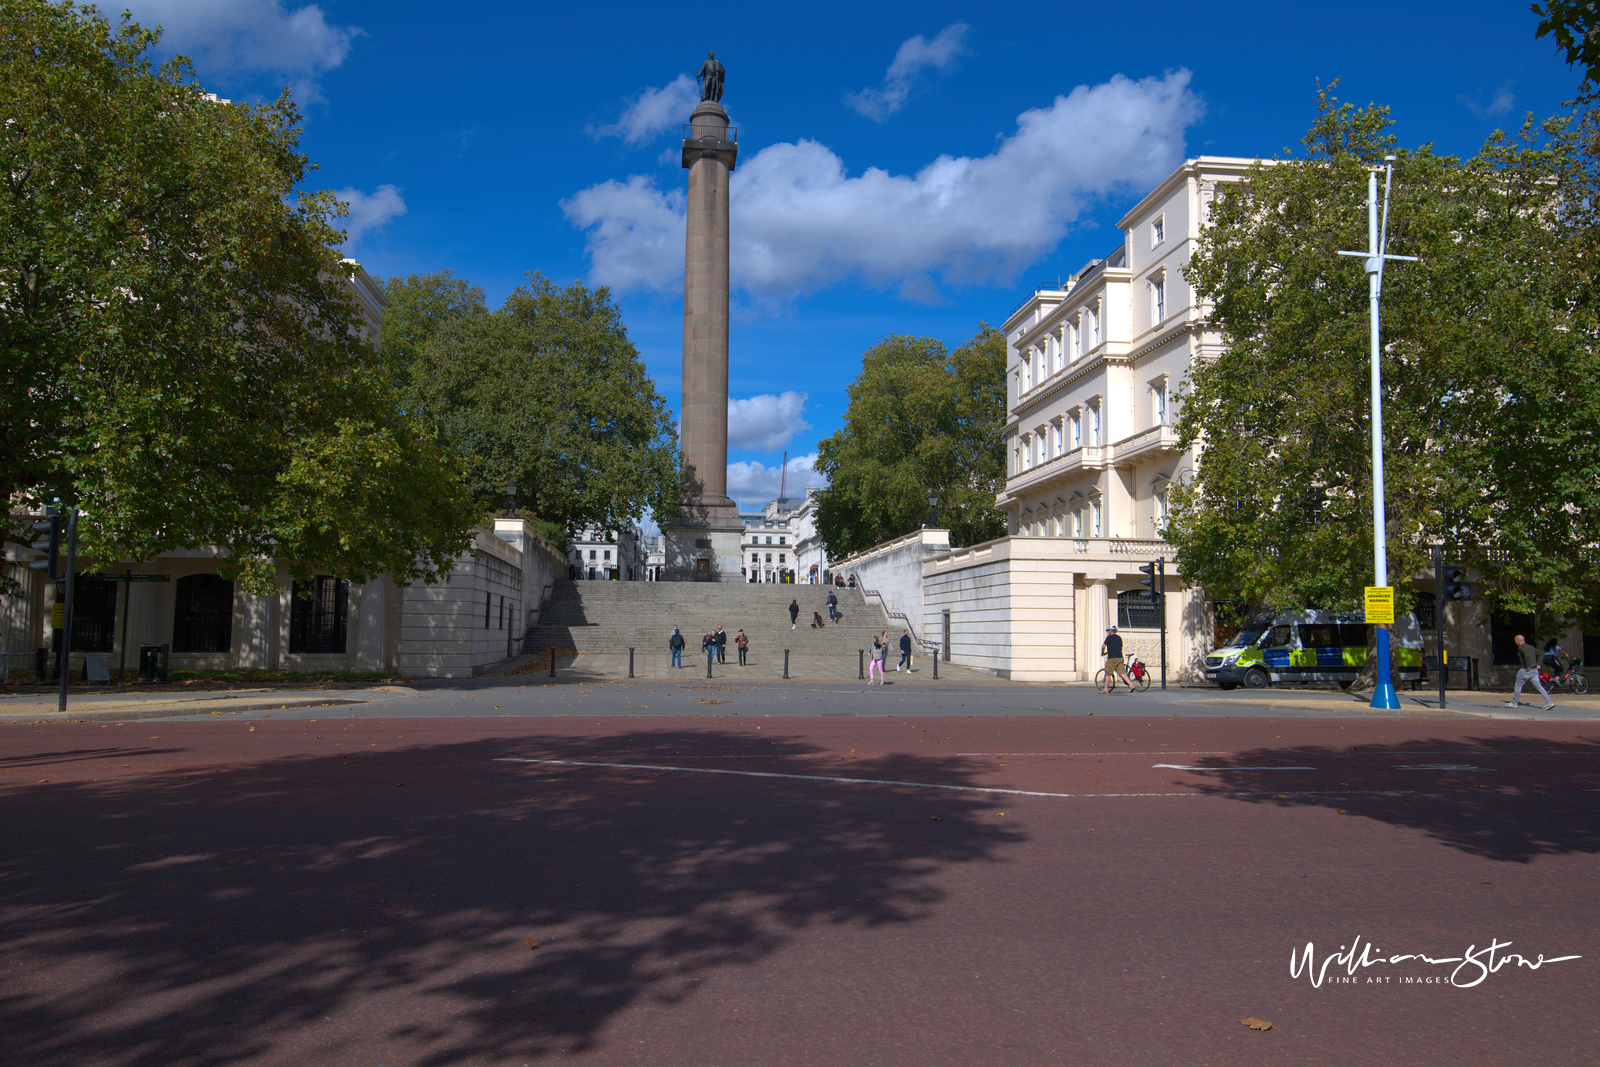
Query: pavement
[[850, 884], [521, 691]]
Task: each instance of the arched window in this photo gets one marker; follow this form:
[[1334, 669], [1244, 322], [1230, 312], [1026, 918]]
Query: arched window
[[202, 618]]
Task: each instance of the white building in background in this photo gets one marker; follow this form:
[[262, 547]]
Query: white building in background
[[655, 557], [1091, 450], [811, 555], [598, 555], [769, 543]]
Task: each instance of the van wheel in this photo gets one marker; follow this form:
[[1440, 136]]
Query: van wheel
[[1227, 685], [1256, 678], [1348, 684]]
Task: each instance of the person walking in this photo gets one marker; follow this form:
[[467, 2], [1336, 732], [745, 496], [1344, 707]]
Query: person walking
[[1528, 658], [676, 643], [880, 648], [720, 639], [905, 653], [833, 607], [794, 613], [1111, 649], [744, 644]]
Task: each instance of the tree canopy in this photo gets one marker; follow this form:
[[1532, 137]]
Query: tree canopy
[[921, 420], [184, 357], [547, 392], [1491, 400]]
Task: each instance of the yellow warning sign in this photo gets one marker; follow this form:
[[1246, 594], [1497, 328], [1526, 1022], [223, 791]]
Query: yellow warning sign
[[58, 615], [1380, 605]]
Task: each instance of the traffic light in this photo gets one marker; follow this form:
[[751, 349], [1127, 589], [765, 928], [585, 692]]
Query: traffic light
[[1456, 586], [1150, 593], [50, 544]]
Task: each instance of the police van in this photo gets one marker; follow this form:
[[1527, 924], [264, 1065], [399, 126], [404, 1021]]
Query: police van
[[1310, 646]]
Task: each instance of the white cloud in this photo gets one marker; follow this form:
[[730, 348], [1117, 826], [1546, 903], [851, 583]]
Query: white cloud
[[370, 211], [802, 222], [756, 483], [766, 423], [251, 36], [913, 56], [655, 112], [1498, 106]]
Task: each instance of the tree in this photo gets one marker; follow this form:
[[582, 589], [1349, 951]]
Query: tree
[[921, 420], [416, 306], [184, 358], [549, 393], [1575, 27], [1491, 399]]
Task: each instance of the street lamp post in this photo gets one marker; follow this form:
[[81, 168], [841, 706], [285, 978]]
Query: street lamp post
[[1383, 694], [933, 511], [511, 500]]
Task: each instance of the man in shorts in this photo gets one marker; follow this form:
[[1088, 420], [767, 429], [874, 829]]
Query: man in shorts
[[1111, 649]]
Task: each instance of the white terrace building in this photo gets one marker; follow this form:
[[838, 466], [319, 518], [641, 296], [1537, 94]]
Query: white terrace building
[[1093, 376]]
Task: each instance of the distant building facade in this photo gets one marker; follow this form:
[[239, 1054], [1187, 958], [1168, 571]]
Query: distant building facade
[[769, 546], [598, 555]]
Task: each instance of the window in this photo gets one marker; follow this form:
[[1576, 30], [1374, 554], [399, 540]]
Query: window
[[502, 623], [1503, 631], [1094, 327], [1055, 438], [1061, 526], [1077, 522], [783, 540], [782, 557], [1158, 403], [1094, 425], [1133, 610], [591, 553], [1158, 300], [1094, 519], [1075, 429], [608, 553], [769, 557], [755, 557], [1027, 370], [318, 615], [1027, 451], [769, 540], [1059, 346], [202, 619], [488, 606], [1161, 511], [1158, 230], [94, 613]]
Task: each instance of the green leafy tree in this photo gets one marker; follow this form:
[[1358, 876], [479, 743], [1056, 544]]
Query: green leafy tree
[[416, 306], [549, 393], [1574, 25], [921, 420], [184, 359], [1491, 400]]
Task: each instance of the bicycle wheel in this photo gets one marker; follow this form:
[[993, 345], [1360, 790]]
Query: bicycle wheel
[[1100, 679], [1142, 682], [1580, 683]]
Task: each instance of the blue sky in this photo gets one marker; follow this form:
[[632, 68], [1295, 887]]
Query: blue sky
[[903, 168]]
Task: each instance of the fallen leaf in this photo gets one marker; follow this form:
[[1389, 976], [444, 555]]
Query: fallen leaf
[[1256, 1024], [936, 818], [530, 942], [1341, 811], [517, 819]]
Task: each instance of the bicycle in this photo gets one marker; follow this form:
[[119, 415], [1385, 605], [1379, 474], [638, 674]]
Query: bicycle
[[1137, 671], [1571, 678]]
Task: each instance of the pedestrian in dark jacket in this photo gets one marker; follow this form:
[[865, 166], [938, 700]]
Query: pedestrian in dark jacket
[[833, 607], [794, 613], [744, 646], [905, 653], [676, 643], [720, 639]]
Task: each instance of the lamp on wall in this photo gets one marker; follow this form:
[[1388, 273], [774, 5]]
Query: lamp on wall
[[933, 510], [511, 500]]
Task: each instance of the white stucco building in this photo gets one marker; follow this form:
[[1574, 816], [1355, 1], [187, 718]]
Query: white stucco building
[[1091, 451], [607, 555], [811, 556], [769, 543]]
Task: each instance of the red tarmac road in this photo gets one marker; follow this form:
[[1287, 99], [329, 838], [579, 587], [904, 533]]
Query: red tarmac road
[[366, 892]]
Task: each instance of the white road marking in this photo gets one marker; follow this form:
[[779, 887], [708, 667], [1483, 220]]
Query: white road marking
[[1439, 767], [935, 785], [1105, 753], [1181, 767]]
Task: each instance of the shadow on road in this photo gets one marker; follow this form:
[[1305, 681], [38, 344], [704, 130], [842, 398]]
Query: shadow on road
[[1503, 798], [312, 908]]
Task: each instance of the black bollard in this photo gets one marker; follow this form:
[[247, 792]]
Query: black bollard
[[861, 663], [936, 664], [786, 663], [708, 661], [630, 662], [552, 661]]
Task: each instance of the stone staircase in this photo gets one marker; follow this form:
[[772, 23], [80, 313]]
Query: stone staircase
[[609, 617]]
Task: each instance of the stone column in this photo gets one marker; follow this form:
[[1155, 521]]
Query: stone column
[[1096, 617], [705, 542]]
